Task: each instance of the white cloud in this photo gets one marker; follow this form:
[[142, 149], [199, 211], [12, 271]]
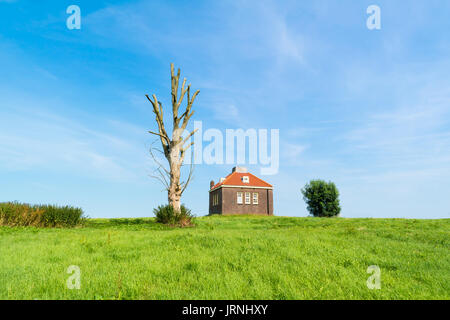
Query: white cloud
[[291, 153], [228, 113], [37, 140], [406, 135]]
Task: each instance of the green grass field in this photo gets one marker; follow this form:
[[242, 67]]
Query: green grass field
[[229, 258]]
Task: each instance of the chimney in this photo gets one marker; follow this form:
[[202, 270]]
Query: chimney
[[239, 170], [211, 184]]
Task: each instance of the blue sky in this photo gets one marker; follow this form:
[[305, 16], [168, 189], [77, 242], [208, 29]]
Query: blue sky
[[369, 110]]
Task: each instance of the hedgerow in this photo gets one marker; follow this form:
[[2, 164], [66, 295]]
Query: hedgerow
[[23, 214]]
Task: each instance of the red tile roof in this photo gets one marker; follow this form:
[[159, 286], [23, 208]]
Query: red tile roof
[[235, 179]]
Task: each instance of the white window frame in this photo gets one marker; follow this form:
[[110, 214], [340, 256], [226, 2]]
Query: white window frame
[[246, 179], [247, 198], [239, 198], [255, 197]]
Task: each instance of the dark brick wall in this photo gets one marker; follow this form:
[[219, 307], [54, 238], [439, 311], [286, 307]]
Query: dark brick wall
[[217, 208], [230, 205], [228, 201], [270, 201]]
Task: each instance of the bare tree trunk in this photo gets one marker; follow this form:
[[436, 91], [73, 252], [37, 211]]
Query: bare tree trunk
[[175, 148], [174, 192]]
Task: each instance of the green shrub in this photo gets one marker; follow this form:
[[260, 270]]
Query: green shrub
[[167, 215], [322, 198], [23, 214]]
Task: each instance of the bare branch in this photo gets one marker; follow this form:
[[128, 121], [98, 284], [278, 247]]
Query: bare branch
[[186, 115], [186, 120], [191, 172], [160, 135], [157, 161], [162, 176], [183, 92], [189, 136], [166, 186], [158, 111], [175, 84], [183, 150]]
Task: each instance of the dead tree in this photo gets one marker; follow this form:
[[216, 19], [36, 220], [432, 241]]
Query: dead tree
[[174, 148]]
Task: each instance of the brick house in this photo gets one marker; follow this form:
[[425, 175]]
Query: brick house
[[241, 193]]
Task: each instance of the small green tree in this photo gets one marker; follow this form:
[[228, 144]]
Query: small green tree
[[322, 198]]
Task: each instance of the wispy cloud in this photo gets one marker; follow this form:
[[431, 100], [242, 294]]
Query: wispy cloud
[[407, 135], [291, 154], [32, 139], [251, 49]]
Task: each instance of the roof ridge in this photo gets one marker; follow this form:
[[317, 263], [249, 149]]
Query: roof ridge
[[259, 178], [227, 177], [234, 173]]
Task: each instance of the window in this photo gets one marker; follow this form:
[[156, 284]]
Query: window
[[247, 198], [255, 198], [239, 198], [245, 179], [215, 199]]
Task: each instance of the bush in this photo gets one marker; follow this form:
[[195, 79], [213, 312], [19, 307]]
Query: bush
[[322, 198], [23, 214], [167, 215]]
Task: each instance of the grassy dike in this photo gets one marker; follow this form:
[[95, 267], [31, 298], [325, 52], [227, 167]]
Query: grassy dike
[[240, 257]]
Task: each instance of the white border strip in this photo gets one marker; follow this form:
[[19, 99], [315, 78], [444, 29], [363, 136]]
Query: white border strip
[[246, 187]]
